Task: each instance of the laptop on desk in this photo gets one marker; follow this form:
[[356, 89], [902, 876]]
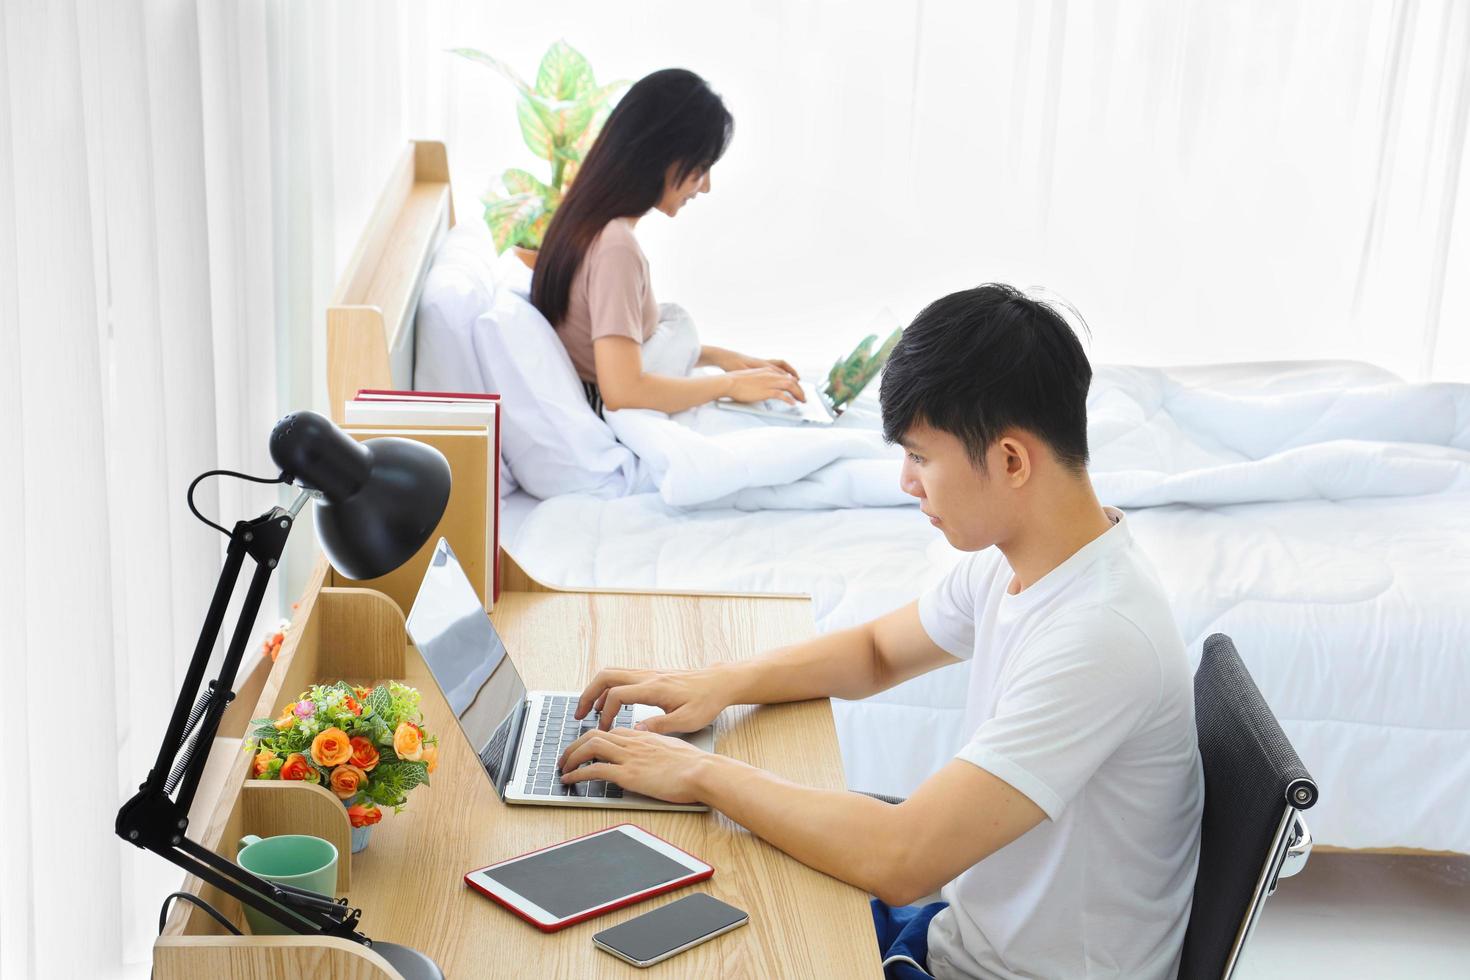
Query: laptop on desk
[[517, 734]]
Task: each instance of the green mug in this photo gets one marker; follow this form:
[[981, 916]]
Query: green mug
[[291, 859]]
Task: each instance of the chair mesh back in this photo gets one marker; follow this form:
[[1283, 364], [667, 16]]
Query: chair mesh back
[[1250, 768]]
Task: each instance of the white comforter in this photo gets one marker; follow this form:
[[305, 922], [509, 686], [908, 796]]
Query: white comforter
[[1204, 436]]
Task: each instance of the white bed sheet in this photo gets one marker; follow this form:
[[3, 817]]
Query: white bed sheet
[[1353, 616]]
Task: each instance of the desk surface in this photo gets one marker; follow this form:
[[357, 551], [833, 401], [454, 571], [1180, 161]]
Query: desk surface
[[802, 923]]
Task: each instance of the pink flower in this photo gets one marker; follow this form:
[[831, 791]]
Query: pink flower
[[305, 709]]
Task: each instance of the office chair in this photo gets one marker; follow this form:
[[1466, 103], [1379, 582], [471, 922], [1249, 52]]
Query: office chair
[[1252, 833]]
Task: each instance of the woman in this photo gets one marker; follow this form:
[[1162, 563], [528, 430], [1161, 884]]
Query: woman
[[591, 279]]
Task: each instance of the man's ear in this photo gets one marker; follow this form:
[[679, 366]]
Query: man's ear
[[1015, 460]]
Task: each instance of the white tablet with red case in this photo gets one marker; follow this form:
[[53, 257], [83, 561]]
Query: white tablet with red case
[[582, 878]]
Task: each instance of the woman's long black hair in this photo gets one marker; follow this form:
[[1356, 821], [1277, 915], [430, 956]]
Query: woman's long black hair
[[670, 118]]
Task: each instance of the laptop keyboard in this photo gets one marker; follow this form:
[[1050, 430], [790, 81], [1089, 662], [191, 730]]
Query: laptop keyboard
[[556, 729]]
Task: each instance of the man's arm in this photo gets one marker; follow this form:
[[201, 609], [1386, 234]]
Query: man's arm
[[959, 816], [851, 664]]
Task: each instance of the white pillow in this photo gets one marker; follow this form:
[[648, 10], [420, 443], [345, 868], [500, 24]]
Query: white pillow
[[459, 288], [550, 437], [513, 274], [674, 347]]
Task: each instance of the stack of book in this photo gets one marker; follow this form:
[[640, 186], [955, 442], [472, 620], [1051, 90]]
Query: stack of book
[[465, 427]]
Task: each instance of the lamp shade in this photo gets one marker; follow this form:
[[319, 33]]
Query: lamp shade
[[380, 499]]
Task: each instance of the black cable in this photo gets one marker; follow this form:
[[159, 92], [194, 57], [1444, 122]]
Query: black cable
[[242, 476], [201, 903]]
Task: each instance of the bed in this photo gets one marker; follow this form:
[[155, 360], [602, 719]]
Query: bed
[[1346, 593]]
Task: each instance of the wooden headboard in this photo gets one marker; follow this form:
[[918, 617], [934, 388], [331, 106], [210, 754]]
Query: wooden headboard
[[370, 321]]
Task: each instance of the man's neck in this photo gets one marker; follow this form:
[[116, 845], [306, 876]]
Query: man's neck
[[1067, 521]]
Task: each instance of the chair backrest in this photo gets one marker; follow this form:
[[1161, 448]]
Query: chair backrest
[[1254, 784]]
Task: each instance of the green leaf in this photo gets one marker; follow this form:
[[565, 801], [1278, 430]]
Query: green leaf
[[380, 701], [391, 783], [564, 73], [496, 65], [519, 182], [536, 234], [538, 127], [510, 217]]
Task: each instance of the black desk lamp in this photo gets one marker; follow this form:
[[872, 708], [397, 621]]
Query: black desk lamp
[[377, 502]]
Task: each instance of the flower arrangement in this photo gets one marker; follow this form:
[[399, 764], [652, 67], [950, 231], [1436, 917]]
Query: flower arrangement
[[368, 746]]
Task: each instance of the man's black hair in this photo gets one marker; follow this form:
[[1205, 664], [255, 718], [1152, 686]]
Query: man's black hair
[[988, 359]]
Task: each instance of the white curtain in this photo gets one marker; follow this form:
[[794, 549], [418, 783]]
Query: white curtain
[[1203, 180], [180, 182]]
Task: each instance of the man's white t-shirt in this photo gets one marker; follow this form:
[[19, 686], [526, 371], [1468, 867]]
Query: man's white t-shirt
[[1081, 698]]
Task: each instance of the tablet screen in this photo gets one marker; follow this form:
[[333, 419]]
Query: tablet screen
[[587, 873]]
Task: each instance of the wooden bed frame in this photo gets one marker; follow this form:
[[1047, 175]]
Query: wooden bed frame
[[370, 321]]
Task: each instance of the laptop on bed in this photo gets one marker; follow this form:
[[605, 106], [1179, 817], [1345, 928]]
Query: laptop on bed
[[517, 734], [827, 401]]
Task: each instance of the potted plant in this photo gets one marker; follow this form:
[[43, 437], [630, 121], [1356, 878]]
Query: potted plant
[[560, 117], [367, 745]]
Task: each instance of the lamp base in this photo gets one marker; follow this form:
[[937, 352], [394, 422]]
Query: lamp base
[[409, 962]]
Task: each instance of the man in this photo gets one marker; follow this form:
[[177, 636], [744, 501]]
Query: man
[[1065, 833]]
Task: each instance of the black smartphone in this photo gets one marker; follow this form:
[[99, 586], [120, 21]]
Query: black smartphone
[[670, 929]]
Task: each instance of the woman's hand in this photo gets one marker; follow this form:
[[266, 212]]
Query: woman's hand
[[740, 362], [729, 360], [758, 384]]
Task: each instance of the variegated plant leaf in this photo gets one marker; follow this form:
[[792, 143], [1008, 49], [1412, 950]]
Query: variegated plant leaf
[[538, 128], [536, 234], [564, 74], [517, 181], [510, 217], [497, 65]]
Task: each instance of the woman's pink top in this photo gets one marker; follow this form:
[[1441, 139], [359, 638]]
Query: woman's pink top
[[611, 296]]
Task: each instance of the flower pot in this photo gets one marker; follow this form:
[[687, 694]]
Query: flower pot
[[526, 255], [360, 837]]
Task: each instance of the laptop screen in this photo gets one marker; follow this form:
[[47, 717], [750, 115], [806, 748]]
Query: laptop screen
[[469, 663]]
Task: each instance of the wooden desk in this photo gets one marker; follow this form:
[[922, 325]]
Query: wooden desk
[[409, 881]]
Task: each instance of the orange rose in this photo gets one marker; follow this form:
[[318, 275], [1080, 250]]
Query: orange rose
[[331, 748], [408, 741], [364, 753], [346, 781], [296, 767], [262, 762], [363, 816], [431, 755]]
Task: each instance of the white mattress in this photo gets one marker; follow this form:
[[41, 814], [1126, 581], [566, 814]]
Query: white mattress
[[1353, 616]]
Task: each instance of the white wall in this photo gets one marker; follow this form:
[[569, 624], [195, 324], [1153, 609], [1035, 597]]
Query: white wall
[[1204, 181]]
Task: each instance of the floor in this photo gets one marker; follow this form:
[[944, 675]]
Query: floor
[[1368, 915]]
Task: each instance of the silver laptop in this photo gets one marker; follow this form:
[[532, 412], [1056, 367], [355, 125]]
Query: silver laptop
[[517, 734], [816, 410]]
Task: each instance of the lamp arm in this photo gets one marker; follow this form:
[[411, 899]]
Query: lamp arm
[[157, 820]]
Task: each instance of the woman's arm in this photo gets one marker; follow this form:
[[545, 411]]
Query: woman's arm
[[624, 383], [733, 360]]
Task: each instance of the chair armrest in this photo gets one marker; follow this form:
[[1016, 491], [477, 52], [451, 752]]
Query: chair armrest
[[1298, 849]]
